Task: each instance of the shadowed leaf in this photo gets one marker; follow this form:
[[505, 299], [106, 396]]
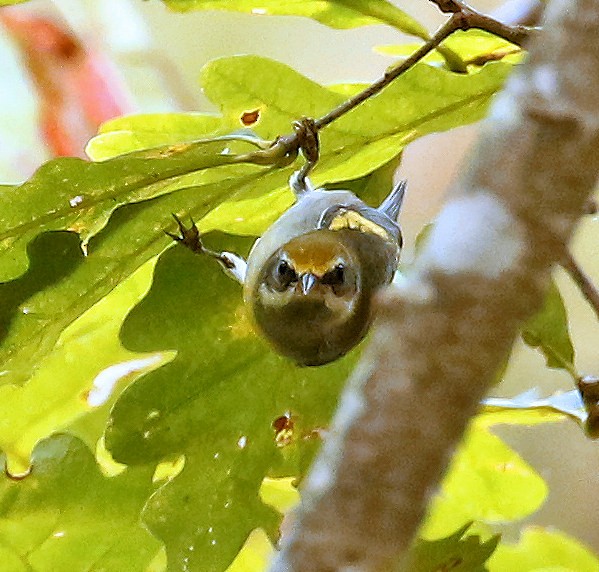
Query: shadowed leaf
[[548, 331], [217, 403], [456, 552]]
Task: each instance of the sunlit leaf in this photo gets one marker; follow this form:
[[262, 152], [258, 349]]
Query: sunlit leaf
[[255, 554], [42, 304], [66, 516], [280, 493], [470, 45], [76, 195], [530, 408], [422, 101], [546, 550], [333, 13], [142, 131], [487, 481]]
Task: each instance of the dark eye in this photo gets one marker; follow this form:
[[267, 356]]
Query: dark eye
[[284, 274], [335, 277]]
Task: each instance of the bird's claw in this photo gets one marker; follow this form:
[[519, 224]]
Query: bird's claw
[[188, 237]]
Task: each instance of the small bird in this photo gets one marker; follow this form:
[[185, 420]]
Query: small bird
[[309, 281]]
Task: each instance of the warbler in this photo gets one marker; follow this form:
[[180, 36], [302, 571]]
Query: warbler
[[309, 280]]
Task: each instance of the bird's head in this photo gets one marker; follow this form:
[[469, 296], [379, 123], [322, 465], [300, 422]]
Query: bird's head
[[315, 272]]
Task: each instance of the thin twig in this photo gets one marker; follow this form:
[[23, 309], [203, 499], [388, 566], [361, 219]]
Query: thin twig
[[453, 24], [285, 148], [583, 282], [514, 34], [463, 18]]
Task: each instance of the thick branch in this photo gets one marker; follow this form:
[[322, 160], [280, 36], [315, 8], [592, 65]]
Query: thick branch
[[440, 336]]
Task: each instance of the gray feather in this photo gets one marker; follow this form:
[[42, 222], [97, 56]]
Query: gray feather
[[392, 203]]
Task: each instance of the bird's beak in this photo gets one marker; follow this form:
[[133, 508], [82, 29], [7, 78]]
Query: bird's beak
[[307, 282]]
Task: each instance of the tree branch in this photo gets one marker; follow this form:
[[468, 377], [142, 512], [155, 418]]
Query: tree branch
[[463, 18], [440, 335], [453, 24], [516, 34], [584, 283]]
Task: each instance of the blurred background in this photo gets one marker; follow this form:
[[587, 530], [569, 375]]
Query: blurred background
[[68, 65]]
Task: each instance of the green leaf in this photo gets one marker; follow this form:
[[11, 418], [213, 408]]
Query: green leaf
[[11, 2], [455, 552], [281, 493], [403, 111], [134, 236], [548, 331], [238, 198], [422, 101], [255, 554], [76, 195], [467, 44], [66, 516], [88, 350], [215, 403], [487, 481], [546, 550], [431, 100], [334, 13], [144, 131]]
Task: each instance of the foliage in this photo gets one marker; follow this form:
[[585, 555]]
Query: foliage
[[132, 385], [541, 549], [548, 330], [467, 554], [56, 518], [334, 13]]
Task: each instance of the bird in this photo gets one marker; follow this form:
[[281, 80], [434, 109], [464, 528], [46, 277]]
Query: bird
[[309, 281]]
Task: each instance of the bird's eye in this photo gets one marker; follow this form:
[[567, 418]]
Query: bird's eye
[[285, 274], [335, 277]]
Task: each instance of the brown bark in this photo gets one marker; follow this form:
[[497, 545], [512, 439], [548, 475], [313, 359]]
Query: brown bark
[[443, 332]]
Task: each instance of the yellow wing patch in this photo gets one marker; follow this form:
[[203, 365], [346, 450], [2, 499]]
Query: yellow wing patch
[[355, 221]]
